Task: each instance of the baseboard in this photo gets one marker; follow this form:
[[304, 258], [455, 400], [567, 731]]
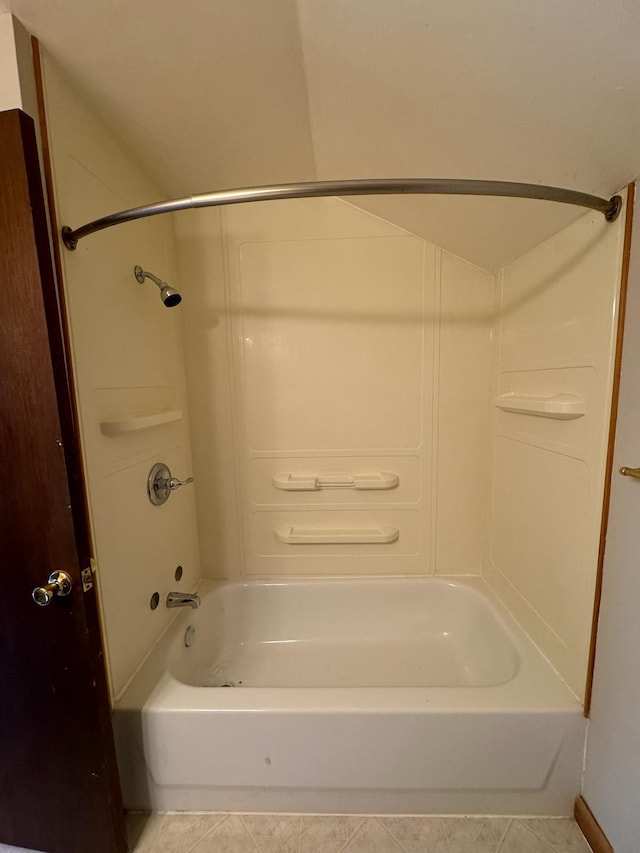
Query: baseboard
[[591, 828]]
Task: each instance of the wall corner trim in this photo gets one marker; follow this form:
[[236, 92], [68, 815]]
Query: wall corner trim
[[590, 827], [613, 421]]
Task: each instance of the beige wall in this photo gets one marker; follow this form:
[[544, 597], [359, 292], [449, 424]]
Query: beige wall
[[17, 85], [10, 95], [612, 760], [558, 307], [127, 361], [322, 340]]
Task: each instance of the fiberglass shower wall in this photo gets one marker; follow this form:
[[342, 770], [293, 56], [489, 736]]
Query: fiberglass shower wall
[[323, 341], [127, 356], [554, 347]]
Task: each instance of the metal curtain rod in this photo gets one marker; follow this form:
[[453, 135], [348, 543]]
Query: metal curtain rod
[[610, 208]]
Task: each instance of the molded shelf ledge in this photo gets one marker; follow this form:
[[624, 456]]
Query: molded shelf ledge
[[562, 407], [380, 534], [122, 424], [314, 482]]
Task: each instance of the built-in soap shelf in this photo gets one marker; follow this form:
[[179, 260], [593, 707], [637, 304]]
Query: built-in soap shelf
[[562, 407], [315, 482], [124, 423], [297, 535]]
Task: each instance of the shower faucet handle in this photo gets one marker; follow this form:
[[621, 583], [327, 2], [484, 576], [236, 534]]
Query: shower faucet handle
[[160, 483], [174, 483]]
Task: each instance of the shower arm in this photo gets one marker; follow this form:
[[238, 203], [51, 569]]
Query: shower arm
[[141, 274], [610, 208]]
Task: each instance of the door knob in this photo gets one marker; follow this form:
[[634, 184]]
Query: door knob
[[630, 472], [161, 483], [59, 584]]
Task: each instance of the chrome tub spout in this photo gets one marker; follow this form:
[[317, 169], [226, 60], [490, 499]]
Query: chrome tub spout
[[183, 599]]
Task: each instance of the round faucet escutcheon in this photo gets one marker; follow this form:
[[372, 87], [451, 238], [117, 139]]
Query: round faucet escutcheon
[[160, 483]]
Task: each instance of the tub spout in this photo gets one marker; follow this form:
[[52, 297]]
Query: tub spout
[[183, 599]]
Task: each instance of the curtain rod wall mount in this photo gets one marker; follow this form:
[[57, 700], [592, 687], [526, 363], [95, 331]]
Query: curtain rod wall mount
[[610, 208]]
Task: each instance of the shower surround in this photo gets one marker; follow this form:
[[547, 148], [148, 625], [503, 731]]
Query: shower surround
[[325, 346]]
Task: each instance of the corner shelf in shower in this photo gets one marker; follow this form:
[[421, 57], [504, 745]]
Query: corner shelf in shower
[[125, 423], [378, 534], [562, 407], [314, 482]]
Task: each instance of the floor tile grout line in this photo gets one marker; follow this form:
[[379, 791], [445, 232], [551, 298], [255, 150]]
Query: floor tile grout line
[[505, 832], [422, 817], [445, 838], [351, 836], [497, 843], [295, 815], [550, 848], [165, 821], [539, 837], [390, 834], [505, 836], [222, 820], [248, 831], [395, 838], [551, 844]]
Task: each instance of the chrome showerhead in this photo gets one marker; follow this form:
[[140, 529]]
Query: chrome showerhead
[[169, 295]]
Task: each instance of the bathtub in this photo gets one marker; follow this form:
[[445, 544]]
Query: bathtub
[[383, 695]]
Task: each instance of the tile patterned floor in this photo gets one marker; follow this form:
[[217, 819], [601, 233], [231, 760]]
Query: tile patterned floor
[[254, 833]]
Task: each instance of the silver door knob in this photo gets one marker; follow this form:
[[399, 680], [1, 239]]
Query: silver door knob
[[161, 483], [59, 584]]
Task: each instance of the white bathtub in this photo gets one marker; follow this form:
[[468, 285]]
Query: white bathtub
[[349, 695]]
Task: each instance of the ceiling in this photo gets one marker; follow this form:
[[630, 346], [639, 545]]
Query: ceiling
[[214, 94]]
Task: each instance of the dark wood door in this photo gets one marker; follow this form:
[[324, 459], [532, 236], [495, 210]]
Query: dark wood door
[[59, 789]]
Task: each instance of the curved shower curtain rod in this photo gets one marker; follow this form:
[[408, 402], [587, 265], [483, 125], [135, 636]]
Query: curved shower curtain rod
[[610, 208]]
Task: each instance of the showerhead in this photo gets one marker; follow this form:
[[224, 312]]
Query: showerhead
[[169, 295]]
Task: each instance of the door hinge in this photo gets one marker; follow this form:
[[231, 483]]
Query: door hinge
[[87, 579]]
